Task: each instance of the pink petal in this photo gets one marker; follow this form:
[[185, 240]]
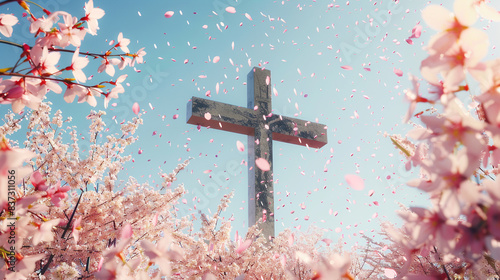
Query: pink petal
[[240, 146], [216, 59], [262, 164], [208, 116], [488, 12], [416, 31], [327, 241], [346, 67], [355, 182], [231, 10], [126, 232], [136, 108], [248, 16], [175, 116], [437, 17], [465, 12], [243, 246], [398, 72], [169, 14]]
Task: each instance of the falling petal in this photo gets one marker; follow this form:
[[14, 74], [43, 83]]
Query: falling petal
[[231, 10], [355, 182], [240, 146], [136, 108], [262, 164], [208, 116], [169, 14], [216, 59], [243, 246], [327, 241], [346, 67]]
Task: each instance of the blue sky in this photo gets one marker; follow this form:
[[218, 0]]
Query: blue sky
[[304, 44]]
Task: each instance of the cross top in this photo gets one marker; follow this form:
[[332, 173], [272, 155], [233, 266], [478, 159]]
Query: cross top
[[262, 127]]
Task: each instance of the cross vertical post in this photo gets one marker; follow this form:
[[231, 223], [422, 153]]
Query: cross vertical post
[[260, 145]]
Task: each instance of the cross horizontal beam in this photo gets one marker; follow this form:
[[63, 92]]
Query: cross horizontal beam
[[243, 120], [223, 116]]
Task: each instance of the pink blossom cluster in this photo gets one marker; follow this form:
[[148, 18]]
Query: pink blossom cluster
[[75, 219], [457, 151], [38, 72]]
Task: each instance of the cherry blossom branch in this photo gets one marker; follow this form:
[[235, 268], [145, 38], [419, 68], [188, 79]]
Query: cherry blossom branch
[[11, 43], [36, 4], [7, 2], [66, 81], [72, 215], [95, 55]]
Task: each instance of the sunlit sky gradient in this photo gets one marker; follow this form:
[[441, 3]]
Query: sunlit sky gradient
[[304, 44]]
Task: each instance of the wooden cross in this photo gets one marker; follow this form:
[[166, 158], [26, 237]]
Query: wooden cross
[[262, 127]]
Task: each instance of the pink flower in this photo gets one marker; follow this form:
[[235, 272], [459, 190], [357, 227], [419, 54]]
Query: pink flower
[[6, 23], [452, 62], [69, 34], [57, 194], [243, 246], [45, 85], [43, 61], [76, 228], [11, 159], [124, 61], [162, 252], [44, 232], [337, 267], [38, 181], [138, 57], [412, 95], [89, 97], [447, 179], [116, 90], [24, 267], [21, 92], [107, 65], [91, 16], [72, 91], [455, 125], [451, 25], [77, 64], [123, 43], [430, 226], [43, 25]]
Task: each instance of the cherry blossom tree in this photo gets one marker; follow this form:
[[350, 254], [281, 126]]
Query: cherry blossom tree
[[455, 151]]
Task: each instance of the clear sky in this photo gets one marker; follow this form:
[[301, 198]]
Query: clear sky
[[305, 44]]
